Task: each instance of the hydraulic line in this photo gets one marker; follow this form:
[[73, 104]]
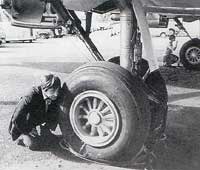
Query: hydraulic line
[[147, 42], [126, 34], [67, 15], [181, 27]]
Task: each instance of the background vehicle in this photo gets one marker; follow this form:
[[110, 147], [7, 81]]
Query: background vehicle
[[2, 36], [192, 27], [13, 33], [43, 34], [162, 32]]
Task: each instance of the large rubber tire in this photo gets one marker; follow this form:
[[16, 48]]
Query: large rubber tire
[[125, 92], [190, 54], [156, 86], [142, 66]]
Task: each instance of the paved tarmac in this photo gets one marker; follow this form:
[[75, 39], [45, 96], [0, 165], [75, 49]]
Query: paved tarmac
[[22, 64]]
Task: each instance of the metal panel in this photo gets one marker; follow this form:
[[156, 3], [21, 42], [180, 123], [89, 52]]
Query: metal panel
[[177, 7], [172, 3], [82, 5], [146, 37], [27, 10]]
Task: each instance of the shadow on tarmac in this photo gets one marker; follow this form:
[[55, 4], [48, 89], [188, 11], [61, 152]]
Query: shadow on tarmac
[[180, 152], [14, 45], [61, 67], [177, 97], [8, 102], [51, 144], [180, 77], [182, 149]]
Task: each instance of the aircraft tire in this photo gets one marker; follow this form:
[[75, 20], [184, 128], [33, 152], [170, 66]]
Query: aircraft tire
[[156, 84], [190, 54], [158, 109], [143, 65], [125, 107]]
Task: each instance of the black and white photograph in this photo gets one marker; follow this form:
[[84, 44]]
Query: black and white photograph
[[99, 84]]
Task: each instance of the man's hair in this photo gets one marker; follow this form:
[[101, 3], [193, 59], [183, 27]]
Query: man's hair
[[50, 81]]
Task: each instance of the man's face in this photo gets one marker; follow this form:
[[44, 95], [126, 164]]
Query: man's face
[[52, 93], [173, 39]]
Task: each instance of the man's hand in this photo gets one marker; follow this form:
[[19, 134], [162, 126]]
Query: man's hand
[[50, 126], [34, 132], [175, 45]]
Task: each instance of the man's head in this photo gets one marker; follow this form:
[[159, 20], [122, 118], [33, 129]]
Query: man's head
[[172, 31], [50, 86]]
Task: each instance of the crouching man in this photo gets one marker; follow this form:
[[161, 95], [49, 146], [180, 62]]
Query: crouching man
[[36, 109]]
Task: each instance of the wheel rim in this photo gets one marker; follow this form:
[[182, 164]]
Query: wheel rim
[[193, 55], [94, 118]]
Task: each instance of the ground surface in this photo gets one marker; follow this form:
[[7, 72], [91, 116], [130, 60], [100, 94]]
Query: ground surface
[[21, 65]]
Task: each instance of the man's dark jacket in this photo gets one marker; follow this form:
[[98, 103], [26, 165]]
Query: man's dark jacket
[[30, 112]]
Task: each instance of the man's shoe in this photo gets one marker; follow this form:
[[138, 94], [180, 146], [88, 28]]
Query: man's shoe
[[34, 132], [25, 140]]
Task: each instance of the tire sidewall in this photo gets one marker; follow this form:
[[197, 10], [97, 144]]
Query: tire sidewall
[[112, 91], [131, 135]]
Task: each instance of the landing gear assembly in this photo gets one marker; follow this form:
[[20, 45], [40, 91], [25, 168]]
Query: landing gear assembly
[[114, 109], [110, 110], [190, 51]]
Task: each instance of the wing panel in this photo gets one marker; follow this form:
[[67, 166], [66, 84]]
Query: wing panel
[[82, 5], [173, 3], [176, 7]]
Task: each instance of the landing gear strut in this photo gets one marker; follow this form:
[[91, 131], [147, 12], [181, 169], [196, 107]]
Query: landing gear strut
[[109, 114]]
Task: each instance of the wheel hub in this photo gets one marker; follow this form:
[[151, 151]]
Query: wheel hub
[[193, 55], [94, 118]]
